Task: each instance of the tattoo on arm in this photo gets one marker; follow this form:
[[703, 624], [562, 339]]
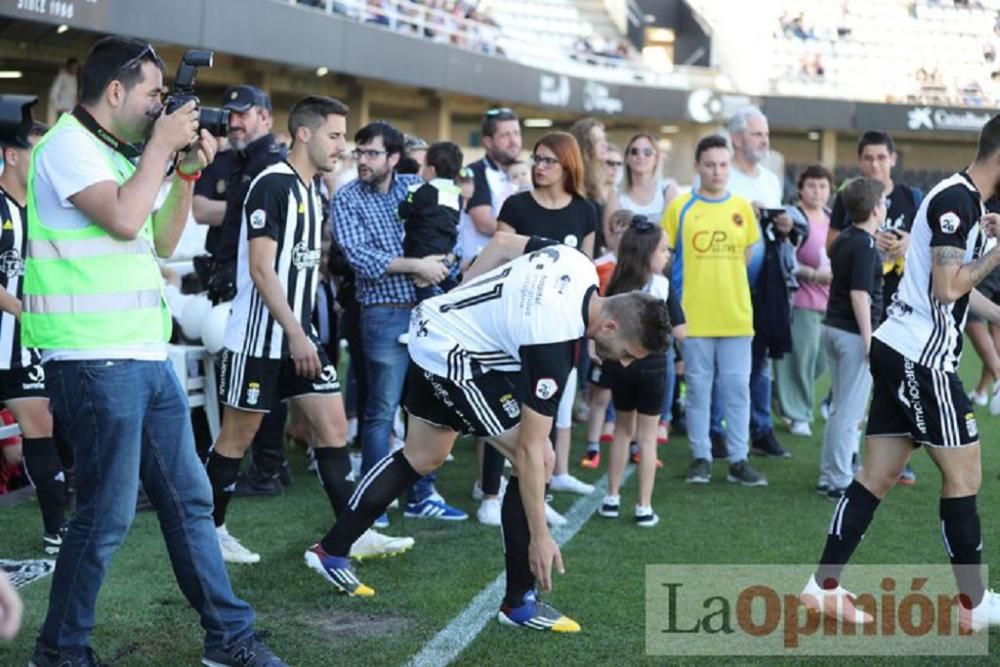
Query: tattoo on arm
[[977, 269], [947, 256]]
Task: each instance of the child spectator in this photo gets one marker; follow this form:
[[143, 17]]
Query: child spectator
[[430, 213], [519, 173], [854, 307]]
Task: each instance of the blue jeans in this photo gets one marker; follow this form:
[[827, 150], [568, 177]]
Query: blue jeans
[[386, 361], [760, 396], [667, 414], [729, 360], [130, 420]]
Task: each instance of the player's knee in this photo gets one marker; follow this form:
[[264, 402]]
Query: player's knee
[[960, 483]]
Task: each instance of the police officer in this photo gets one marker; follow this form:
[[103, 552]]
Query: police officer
[[218, 201], [103, 341]]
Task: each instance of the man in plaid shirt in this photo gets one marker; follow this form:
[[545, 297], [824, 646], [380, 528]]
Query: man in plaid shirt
[[369, 231]]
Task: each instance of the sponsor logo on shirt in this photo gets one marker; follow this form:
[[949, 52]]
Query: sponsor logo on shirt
[[11, 263], [305, 258], [713, 242]]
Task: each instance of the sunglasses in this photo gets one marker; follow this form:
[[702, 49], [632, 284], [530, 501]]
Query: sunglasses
[[148, 53], [540, 160], [641, 223], [635, 152], [613, 164], [499, 111]]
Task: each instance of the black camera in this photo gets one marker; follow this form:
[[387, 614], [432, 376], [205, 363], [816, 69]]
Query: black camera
[[215, 121]]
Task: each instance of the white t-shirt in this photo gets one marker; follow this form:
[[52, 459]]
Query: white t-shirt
[[71, 161], [764, 188]]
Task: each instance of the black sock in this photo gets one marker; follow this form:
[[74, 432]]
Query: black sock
[[963, 540], [492, 470], [516, 538], [333, 465], [44, 468], [850, 520], [384, 482], [222, 473]]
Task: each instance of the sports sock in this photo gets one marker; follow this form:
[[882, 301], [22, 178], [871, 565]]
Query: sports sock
[[44, 468], [384, 482], [222, 474], [593, 448], [333, 466], [851, 517], [492, 470], [516, 539], [963, 540]]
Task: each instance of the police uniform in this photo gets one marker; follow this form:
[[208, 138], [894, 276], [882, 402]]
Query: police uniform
[[481, 351]]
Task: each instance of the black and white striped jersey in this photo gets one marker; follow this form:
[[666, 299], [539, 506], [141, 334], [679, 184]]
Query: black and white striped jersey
[[527, 313], [918, 326], [280, 206], [13, 237]]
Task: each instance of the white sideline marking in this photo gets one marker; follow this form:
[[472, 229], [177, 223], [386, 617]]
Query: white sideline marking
[[446, 645]]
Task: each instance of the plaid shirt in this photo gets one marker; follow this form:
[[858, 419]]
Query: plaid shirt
[[368, 229]]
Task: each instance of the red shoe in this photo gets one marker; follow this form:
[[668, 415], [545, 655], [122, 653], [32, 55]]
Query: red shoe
[[591, 460], [634, 458]]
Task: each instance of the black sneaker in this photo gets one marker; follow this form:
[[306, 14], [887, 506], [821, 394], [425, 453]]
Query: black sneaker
[[699, 472], [720, 448], [285, 475], [834, 493], [768, 445], [250, 652], [256, 483], [822, 489], [52, 542], [743, 473], [76, 657]]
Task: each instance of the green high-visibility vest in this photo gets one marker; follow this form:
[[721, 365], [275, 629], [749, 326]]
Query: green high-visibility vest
[[83, 288]]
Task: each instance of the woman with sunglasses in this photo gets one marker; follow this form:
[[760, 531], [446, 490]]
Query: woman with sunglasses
[[556, 209]]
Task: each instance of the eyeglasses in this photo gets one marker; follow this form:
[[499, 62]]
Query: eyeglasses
[[613, 164], [641, 223], [369, 153], [499, 111], [147, 53], [542, 161], [635, 152]]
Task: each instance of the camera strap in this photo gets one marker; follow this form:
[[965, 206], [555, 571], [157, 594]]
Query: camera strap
[[126, 149]]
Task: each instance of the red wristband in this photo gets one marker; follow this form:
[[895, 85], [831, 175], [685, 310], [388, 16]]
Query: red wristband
[[191, 178]]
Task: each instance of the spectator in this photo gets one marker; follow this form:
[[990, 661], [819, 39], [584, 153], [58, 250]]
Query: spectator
[[797, 372], [613, 163], [415, 148], [748, 178], [366, 224], [855, 302], [501, 137], [642, 191], [63, 92], [589, 133], [712, 232], [519, 173], [876, 159], [430, 213], [555, 209]]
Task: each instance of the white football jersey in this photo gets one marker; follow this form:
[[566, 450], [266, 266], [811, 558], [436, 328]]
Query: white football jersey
[[918, 326], [536, 299]]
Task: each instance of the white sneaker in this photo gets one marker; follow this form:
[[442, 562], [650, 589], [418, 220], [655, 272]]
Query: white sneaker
[[489, 512], [979, 398], [567, 482], [995, 401], [645, 517], [373, 544], [801, 429], [841, 606], [552, 517], [983, 615], [232, 550], [355, 466]]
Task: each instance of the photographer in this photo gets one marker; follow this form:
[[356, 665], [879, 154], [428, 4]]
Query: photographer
[[103, 341]]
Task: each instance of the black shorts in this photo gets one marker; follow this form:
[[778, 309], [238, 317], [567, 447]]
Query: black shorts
[[639, 386], [599, 376], [913, 401], [26, 382], [258, 384], [487, 406]]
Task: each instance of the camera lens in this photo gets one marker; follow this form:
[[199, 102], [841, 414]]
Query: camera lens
[[215, 121]]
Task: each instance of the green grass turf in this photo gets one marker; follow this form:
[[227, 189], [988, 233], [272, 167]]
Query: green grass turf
[[144, 620]]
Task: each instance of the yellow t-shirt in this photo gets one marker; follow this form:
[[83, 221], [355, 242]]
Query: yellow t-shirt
[[710, 269]]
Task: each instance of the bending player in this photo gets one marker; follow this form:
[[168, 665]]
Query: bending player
[[491, 359]]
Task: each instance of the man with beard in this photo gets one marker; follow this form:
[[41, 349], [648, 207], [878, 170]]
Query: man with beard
[[104, 345], [368, 229], [218, 202]]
